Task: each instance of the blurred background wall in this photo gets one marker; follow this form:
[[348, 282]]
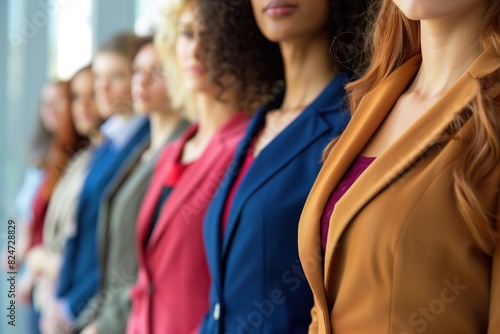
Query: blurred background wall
[[41, 40]]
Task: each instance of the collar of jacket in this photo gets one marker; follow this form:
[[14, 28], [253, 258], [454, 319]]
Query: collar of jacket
[[388, 167], [303, 131], [202, 165]]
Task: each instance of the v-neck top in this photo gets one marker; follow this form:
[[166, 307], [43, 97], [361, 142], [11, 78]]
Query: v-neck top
[[353, 173]]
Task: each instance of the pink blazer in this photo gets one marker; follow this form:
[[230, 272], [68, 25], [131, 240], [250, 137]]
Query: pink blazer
[[171, 293]]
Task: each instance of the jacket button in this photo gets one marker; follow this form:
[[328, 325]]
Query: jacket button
[[216, 313]]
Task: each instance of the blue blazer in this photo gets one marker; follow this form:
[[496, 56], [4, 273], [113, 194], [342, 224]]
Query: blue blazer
[[258, 285], [79, 275]]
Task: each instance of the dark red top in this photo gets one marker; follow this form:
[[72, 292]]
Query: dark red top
[[40, 205], [175, 173], [357, 168], [173, 176], [243, 171]]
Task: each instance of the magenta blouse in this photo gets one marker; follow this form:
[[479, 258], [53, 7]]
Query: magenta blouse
[[357, 168]]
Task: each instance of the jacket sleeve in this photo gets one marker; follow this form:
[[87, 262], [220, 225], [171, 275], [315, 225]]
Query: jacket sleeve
[[67, 267], [89, 313], [113, 317], [80, 256], [120, 273], [78, 297]]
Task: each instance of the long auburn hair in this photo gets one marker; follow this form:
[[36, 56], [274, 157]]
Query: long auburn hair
[[65, 143], [42, 137], [394, 40]]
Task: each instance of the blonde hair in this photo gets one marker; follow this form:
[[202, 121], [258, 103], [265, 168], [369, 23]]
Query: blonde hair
[[165, 39], [394, 40]]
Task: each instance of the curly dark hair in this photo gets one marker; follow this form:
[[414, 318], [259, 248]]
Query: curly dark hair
[[349, 20], [234, 45]]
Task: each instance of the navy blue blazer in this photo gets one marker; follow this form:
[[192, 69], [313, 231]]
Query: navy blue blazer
[[79, 275], [258, 285]]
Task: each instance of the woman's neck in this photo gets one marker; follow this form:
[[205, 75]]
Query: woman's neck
[[212, 114], [449, 46], [308, 69], [163, 124]]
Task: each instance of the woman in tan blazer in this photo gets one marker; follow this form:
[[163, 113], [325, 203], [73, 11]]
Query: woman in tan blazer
[[413, 245]]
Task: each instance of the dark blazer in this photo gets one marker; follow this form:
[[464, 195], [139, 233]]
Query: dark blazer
[[258, 285], [79, 275]]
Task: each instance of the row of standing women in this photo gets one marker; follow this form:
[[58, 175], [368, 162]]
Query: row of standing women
[[163, 227]]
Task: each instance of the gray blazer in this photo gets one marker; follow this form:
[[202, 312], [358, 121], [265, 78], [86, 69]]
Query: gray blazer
[[110, 307]]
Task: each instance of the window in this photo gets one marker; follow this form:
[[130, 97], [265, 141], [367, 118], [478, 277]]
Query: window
[[70, 37], [148, 12]]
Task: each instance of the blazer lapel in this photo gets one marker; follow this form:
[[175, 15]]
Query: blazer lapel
[[213, 235], [364, 123], [188, 185], [117, 181], [386, 168], [412, 144], [154, 193], [303, 131], [152, 196]]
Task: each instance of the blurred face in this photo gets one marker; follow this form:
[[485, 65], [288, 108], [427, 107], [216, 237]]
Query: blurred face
[[195, 74], [112, 84], [83, 107], [54, 103], [149, 93], [432, 9], [282, 20]]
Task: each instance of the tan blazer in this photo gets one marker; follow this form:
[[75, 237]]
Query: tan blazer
[[399, 259]]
